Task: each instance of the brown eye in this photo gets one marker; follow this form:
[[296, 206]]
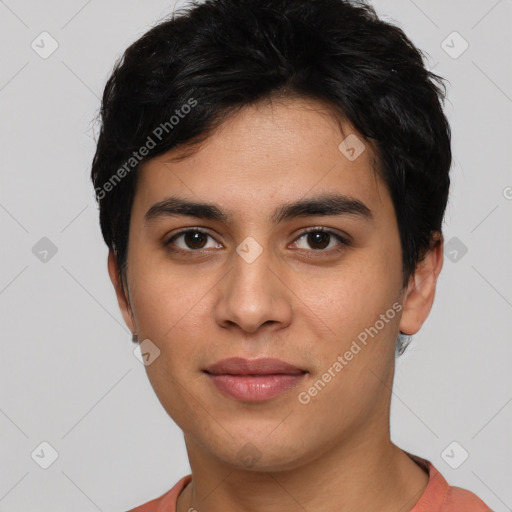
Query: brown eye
[[320, 239], [195, 239], [190, 240]]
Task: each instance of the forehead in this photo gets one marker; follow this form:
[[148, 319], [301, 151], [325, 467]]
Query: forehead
[[271, 151]]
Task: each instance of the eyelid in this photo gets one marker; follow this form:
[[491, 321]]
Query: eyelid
[[343, 239], [167, 241]]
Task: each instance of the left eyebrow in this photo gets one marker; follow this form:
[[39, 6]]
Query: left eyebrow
[[329, 204]]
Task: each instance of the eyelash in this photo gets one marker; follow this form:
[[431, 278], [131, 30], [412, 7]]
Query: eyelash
[[344, 242]]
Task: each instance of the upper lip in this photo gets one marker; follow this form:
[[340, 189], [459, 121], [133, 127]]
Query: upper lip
[[263, 366]]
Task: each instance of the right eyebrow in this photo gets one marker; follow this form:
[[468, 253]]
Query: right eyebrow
[[173, 206]]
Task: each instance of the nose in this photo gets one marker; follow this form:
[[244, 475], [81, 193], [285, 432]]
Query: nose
[[253, 294]]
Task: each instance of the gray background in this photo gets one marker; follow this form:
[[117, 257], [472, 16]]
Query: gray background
[[68, 375]]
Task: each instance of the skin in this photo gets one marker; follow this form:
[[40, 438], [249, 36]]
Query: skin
[[334, 453]]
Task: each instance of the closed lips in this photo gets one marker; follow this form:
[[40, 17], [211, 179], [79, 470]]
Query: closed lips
[[241, 366]]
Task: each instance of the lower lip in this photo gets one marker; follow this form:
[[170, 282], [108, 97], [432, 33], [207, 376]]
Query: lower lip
[[255, 388]]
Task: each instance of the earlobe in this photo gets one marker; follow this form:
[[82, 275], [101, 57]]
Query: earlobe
[[420, 293], [122, 300]]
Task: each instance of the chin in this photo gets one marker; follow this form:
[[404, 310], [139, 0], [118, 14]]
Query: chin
[[263, 456]]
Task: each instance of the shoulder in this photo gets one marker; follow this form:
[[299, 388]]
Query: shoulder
[[458, 499], [166, 502], [439, 496], [150, 506]]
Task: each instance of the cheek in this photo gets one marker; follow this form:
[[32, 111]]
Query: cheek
[[174, 311], [351, 306], [165, 296], [170, 312], [354, 298]]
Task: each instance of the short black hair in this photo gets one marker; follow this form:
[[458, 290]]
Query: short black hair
[[179, 81]]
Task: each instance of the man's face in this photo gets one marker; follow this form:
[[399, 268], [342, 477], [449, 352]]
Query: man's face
[[304, 299]]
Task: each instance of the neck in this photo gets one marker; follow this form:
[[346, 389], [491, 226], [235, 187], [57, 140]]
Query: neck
[[367, 473]]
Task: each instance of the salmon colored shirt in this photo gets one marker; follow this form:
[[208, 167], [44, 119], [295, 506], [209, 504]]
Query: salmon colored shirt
[[437, 497]]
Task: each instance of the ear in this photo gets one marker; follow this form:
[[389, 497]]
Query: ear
[[421, 289], [124, 304]]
